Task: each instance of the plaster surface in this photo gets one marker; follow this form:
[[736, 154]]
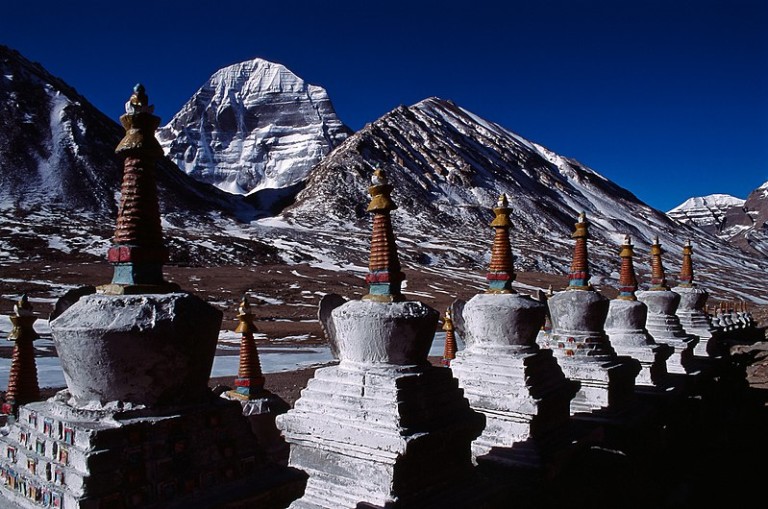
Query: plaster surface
[[384, 427], [625, 327], [577, 326], [665, 328], [502, 320], [585, 354], [369, 332], [137, 349], [692, 317], [518, 387]]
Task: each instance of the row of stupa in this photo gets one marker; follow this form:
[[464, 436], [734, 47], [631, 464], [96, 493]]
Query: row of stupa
[[137, 425]]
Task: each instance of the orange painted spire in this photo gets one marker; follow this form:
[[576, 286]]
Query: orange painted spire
[[449, 353], [627, 277], [384, 275], [658, 279], [250, 380], [579, 277], [686, 272], [501, 271], [138, 252], [23, 387]]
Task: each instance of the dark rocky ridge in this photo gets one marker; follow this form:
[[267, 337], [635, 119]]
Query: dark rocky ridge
[[57, 150], [60, 178], [448, 167]]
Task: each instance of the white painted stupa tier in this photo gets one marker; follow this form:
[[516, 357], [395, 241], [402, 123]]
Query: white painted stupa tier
[[519, 387], [383, 427], [692, 316], [585, 354], [625, 327], [664, 326], [137, 425]]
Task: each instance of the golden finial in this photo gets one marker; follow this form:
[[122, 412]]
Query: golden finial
[[380, 193], [245, 317], [448, 320], [502, 212], [139, 101], [22, 320]]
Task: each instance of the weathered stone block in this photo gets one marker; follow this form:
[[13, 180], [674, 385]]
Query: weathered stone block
[[137, 349], [665, 328], [625, 327]]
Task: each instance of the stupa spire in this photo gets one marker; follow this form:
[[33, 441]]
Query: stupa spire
[[658, 279], [686, 272], [138, 252], [384, 274], [22, 380], [627, 277], [250, 380], [501, 272], [579, 276], [449, 353]]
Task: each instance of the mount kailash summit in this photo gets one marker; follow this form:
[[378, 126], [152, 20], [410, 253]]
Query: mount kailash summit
[[742, 223], [253, 125]]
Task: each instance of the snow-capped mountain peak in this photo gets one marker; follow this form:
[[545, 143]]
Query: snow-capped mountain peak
[[715, 202], [449, 166], [253, 125], [719, 214]]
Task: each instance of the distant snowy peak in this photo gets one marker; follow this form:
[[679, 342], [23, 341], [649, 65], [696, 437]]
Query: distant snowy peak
[[253, 125], [719, 214], [711, 202]]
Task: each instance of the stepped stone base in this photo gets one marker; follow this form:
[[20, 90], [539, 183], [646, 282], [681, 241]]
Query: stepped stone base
[[664, 327], [625, 327], [606, 384], [381, 435], [652, 357], [56, 455], [261, 412], [692, 318], [522, 393], [683, 344]]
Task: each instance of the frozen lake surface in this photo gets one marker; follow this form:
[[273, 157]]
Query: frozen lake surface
[[274, 358]]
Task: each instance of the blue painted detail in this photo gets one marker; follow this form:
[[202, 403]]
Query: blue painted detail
[[137, 274]]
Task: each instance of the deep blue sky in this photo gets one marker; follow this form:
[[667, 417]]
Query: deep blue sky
[[669, 99]]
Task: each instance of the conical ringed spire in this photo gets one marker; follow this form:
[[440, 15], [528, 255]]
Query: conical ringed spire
[[658, 279], [250, 380], [138, 251], [579, 277], [686, 272], [384, 274], [627, 278], [501, 272], [23, 386]]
